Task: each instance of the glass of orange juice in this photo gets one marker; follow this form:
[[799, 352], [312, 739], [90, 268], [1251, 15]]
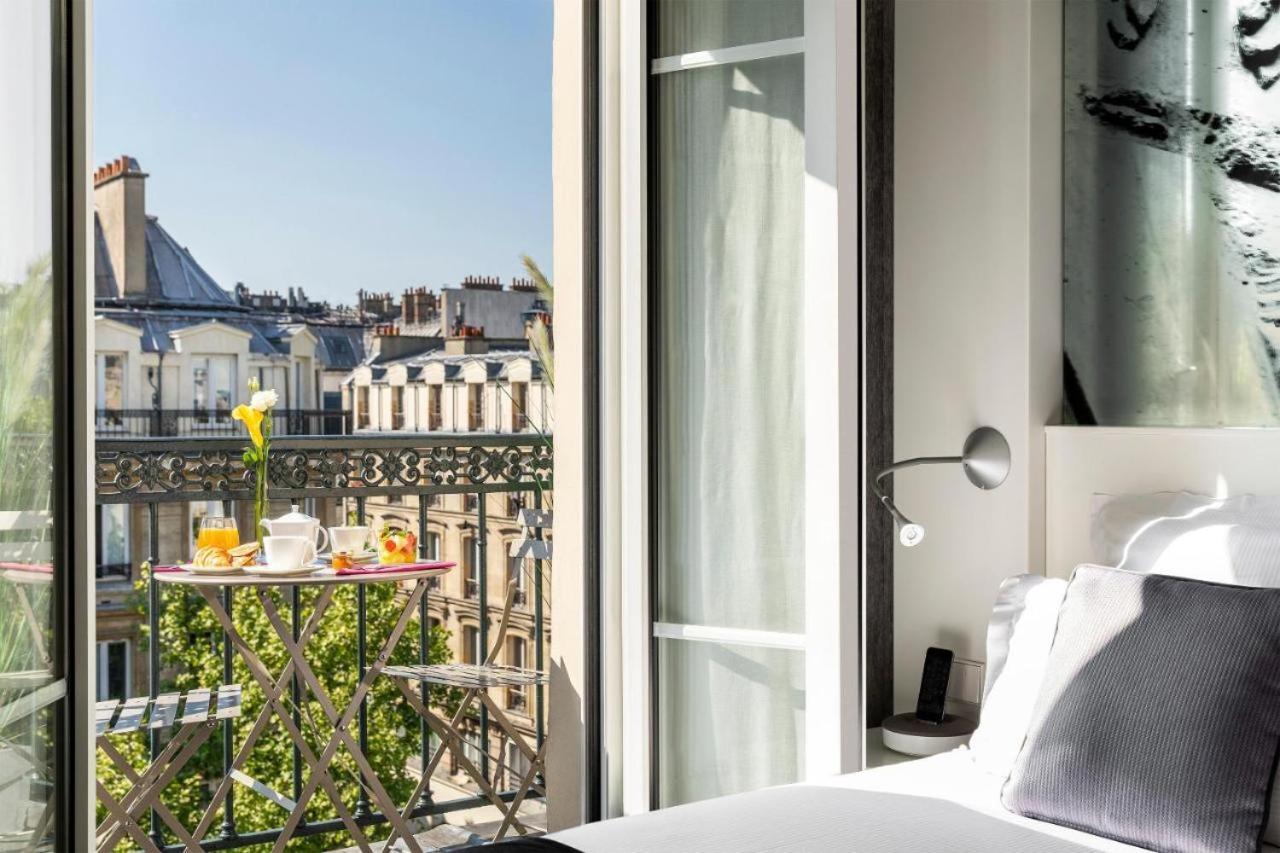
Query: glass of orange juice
[[218, 532]]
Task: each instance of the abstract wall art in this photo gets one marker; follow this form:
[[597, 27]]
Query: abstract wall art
[[1171, 212]]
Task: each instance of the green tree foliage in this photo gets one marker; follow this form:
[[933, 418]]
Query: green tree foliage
[[191, 655]]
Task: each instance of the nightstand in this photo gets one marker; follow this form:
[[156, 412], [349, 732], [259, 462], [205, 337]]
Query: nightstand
[[878, 755]]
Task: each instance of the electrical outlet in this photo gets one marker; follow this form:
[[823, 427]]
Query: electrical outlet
[[964, 690]]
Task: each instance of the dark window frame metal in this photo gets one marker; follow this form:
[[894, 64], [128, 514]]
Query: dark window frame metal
[[68, 495]]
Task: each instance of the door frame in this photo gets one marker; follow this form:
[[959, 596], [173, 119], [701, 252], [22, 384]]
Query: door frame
[[835, 312], [74, 369]]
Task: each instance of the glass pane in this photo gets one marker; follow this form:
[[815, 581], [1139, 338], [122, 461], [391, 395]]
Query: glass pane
[[730, 719], [730, 282], [27, 592], [684, 26]]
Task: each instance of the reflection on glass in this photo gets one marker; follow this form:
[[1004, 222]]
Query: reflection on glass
[[29, 688], [685, 26]]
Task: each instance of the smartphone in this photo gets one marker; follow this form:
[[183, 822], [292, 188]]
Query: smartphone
[[932, 704]]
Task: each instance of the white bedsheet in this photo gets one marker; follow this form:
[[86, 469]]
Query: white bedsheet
[[943, 803]]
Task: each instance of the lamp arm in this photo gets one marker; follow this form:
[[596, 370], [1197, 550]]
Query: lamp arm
[[898, 466]]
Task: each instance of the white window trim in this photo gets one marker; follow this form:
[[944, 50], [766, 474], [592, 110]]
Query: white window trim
[[833, 637], [727, 55]]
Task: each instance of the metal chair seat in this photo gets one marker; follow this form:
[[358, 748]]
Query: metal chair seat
[[468, 675], [193, 715]]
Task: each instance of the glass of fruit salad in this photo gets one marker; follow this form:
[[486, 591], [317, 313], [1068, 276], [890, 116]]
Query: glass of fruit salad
[[396, 545]]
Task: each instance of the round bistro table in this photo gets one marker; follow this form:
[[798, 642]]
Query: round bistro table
[[274, 687]]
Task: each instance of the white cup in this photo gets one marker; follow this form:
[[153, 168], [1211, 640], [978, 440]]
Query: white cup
[[285, 553], [353, 539]]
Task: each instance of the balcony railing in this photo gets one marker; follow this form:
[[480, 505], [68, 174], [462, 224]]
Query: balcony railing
[[146, 423], [158, 472]]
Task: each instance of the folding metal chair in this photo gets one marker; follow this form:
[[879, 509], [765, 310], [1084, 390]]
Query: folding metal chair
[[477, 680], [202, 710]]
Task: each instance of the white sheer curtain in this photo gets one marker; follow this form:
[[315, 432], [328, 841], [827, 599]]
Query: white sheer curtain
[[728, 216]]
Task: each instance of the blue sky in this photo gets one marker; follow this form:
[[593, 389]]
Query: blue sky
[[335, 144]]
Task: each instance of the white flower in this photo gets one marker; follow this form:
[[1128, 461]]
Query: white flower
[[263, 400]]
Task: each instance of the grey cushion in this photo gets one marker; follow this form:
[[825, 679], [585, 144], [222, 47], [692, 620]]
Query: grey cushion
[[1158, 720]]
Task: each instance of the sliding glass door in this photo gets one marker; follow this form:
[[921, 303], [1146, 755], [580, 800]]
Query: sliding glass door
[[727, 241], [34, 712]]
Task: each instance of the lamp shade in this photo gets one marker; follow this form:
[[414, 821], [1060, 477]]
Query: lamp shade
[[985, 458]]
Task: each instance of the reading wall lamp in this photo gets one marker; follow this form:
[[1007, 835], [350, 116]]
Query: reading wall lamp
[[985, 460]]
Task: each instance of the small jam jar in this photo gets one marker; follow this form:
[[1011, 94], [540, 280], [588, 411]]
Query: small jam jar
[[341, 560]]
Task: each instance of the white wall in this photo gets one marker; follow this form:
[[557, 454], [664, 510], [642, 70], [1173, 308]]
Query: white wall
[[977, 303]]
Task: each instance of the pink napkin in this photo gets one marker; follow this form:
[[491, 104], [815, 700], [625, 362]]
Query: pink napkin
[[379, 568], [28, 567], [162, 569]]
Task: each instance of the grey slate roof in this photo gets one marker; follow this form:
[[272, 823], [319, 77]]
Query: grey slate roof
[[339, 347], [104, 276], [173, 274], [180, 294], [496, 361]]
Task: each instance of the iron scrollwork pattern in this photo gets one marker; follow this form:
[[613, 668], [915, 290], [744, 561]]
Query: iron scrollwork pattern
[[134, 470]]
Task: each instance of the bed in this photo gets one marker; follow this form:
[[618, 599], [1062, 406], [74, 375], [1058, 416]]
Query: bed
[[940, 803], [952, 801]]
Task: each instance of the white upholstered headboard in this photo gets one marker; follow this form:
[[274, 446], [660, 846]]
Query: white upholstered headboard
[[1083, 461]]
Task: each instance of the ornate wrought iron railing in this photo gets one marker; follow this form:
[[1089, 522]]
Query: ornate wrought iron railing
[[153, 472]]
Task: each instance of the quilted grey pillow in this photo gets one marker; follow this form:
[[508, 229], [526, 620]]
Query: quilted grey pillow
[[1158, 721]]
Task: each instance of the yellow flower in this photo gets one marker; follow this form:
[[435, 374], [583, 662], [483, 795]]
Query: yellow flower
[[252, 420]]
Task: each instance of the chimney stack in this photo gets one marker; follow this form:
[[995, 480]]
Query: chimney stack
[[119, 196]]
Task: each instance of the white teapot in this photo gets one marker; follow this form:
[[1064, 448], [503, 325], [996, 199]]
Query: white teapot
[[296, 523]]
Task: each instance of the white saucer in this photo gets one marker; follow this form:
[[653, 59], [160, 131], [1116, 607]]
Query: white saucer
[[275, 571]]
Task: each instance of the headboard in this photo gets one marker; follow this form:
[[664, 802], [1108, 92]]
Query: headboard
[[1083, 461]]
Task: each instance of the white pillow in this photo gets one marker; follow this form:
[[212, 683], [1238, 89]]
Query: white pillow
[[1227, 540], [1019, 637]]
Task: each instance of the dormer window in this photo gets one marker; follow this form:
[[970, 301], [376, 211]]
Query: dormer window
[[397, 407], [362, 407], [475, 406], [435, 414]]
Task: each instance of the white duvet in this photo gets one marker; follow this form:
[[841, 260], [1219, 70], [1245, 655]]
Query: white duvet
[[943, 803]]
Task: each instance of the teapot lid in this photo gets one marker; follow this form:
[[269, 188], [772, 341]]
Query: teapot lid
[[294, 515]]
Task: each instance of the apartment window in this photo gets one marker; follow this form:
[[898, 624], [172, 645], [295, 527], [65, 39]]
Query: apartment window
[[475, 406], [362, 407], [212, 381], [470, 569], [471, 748], [435, 410], [519, 406], [111, 390], [432, 552], [470, 502], [517, 764], [516, 573], [471, 644], [114, 669], [397, 407], [515, 503], [517, 656], [113, 542]]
